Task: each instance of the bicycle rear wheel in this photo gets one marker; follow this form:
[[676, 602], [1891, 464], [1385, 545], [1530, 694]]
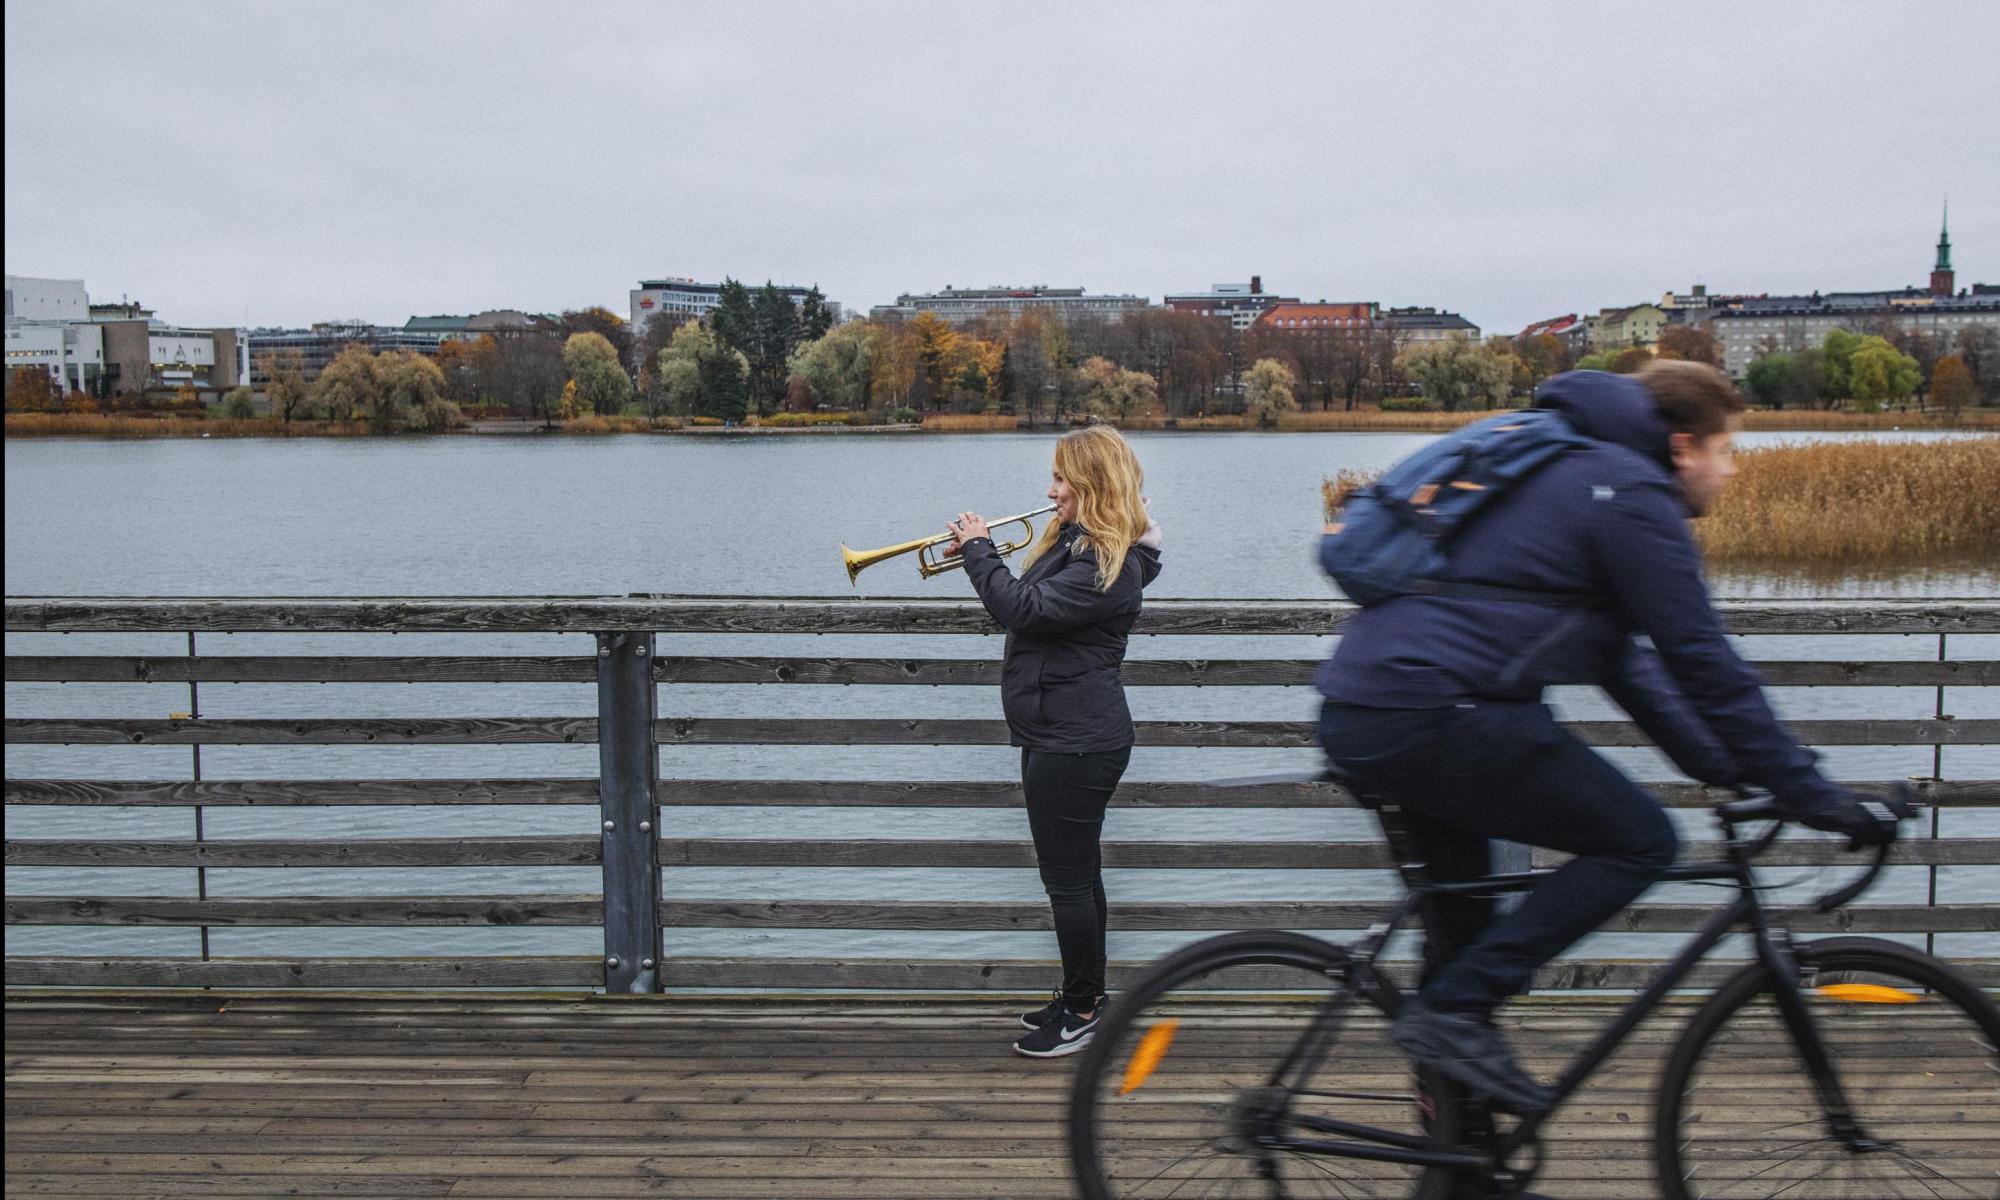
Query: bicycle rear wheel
[[1206, 1070], [1914, 1046]]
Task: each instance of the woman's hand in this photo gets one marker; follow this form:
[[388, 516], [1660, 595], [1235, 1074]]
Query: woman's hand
[[967, 527]]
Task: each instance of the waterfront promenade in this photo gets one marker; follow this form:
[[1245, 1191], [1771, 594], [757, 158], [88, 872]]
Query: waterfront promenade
[[135, 1072], [238, 1094]]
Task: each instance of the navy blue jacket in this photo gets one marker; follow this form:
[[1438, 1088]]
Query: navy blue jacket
[[1059, 683], [1608, 520]]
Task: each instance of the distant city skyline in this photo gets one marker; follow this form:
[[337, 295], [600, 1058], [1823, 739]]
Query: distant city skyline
[[383, 161]]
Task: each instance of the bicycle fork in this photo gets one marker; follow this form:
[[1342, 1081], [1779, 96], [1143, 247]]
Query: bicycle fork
[[1774, 950]]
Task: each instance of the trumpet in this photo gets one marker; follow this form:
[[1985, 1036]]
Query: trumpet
[[932, 561]]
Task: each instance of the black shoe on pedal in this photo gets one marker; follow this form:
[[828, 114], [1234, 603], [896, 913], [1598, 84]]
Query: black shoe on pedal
[[1066, 1034], [1471, 1051]]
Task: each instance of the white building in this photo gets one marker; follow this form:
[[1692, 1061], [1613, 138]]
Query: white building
[[962, 306], [71, 353], [113, 348], [30, 299], [682, 300]]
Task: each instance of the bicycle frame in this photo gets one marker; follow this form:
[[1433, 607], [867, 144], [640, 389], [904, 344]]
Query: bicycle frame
[[1773, 951]]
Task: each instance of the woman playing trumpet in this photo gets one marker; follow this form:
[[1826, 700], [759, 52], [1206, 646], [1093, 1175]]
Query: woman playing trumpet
[[1067, 617]]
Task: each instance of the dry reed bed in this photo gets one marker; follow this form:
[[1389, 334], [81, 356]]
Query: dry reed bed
[[970, 422], [1860, 501], [1800, 421], [1843, 502]]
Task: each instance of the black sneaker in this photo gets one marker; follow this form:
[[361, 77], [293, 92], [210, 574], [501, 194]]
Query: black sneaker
[[1048, 1012], [1066, 1034], [1470, 1051]]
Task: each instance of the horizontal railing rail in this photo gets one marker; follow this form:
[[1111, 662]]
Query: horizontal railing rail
[[634, 848]]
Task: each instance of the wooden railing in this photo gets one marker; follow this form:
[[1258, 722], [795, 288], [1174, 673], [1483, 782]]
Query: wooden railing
[[637, 839]]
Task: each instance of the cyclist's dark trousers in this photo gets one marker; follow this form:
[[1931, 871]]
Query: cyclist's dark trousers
[[1066, 795], [1499, 770]]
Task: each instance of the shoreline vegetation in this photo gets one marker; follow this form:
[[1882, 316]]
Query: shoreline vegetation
[[125, 425], [1850, 503]]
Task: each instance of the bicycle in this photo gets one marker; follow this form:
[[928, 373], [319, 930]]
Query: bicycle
[[1847, 1067]]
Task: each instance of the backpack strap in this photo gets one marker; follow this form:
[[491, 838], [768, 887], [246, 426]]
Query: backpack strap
[[1492, 591]]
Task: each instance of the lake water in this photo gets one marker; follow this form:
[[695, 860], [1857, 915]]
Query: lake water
[[718, 515]]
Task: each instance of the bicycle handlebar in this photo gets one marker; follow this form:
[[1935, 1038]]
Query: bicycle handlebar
[[1765, 808]]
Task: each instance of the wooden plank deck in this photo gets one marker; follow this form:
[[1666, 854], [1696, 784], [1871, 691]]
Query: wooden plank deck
[[211, 1094]]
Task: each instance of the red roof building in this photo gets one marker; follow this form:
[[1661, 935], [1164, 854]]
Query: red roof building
[[1310, 318]]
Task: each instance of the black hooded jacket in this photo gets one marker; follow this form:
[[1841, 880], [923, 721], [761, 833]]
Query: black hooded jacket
[[1607, 521], [1059, 683]]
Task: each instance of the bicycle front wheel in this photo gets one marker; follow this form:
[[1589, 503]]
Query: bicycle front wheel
[[1209, 1074], [1913, 1045]]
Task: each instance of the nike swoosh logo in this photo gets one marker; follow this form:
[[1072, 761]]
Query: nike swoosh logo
[[1067, 1036]]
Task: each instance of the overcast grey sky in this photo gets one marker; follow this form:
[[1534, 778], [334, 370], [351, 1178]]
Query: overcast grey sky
[[237, 163]]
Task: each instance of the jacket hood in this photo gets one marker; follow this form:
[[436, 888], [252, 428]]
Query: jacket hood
[[1609, 408], [1145, 551]]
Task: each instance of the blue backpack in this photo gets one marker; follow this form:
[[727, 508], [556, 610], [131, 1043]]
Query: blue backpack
[[1389, 538]]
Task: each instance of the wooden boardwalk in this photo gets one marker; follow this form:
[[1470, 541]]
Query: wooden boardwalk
[[206, 1094]]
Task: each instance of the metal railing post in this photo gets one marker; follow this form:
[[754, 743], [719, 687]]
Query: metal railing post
[[200, 873], [1937, 775], [628, 769]]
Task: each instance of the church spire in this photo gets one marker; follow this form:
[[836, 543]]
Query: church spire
[[1942, 278]]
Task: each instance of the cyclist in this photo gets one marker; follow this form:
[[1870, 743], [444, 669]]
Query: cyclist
[[1434, 701]]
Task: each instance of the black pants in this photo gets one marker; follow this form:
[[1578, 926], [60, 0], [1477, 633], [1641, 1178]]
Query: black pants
[[1066, 795], [1496, 770]]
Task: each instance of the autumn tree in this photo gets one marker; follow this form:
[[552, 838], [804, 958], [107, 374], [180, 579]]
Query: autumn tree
[[1267, 390], [938, 351], [1952, 387], [599, 374], [1458, 373], [839, 367], [978, 382], [895, 365], [412, 396], [1690, 343], [285, 387], [350, 386], [1109, 390], [604, 323], [1629, 360], [1542, 355], [30, 390], [456, 358]]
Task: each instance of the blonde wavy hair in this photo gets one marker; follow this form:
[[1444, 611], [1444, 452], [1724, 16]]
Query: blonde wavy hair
[[1104, 473]]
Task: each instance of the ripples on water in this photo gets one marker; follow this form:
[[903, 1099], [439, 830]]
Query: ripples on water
[[754, 515]]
